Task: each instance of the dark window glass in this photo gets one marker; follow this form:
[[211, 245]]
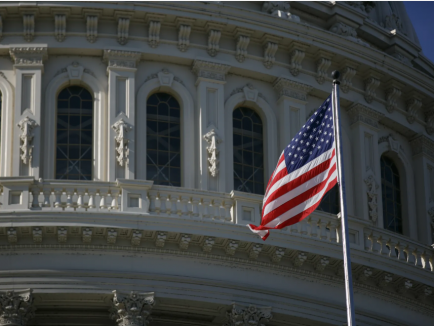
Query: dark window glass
[[248, 156], [74, 134], [330, 202], [391, 192], [163, 138]]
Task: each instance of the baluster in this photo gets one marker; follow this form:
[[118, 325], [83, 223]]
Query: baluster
[[411, 257], [152, 202], [190, 207], [228, 205], [425, 261], [205, 207], [47, 194], [163, 202], [58, 201], [168, 205], [200, 208], [418, 257], [195, 206], [401, 248], [35, 193], [69, 204], [383, 243], [80, 201], [216, 206], [178, 200], [375, 246], [392, 248], [91, 205], [322, 229], [313, 222], [114, 193], [184, 202], [211, 209], [102, 200], [333, 225]]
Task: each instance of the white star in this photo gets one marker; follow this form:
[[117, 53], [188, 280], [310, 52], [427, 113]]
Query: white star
[[323, 124], [289, 154], [319, 146], [310, 136], [304, 150], [328, 100], [308, 127], [317, 122], [327, 141], [316, 138], [326, 116], [301, 141], [292, 162], [320, 115], [328, 126], [314, 129], [295, 155], [301, 157], [293, 147], [313, 145], [299, 133], [316, 113], [304, 134], [303, 126], [310, 152], [298, 148], [322, 139], [311, 120]]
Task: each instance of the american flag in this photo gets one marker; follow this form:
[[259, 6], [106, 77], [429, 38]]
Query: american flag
[[306, 170]]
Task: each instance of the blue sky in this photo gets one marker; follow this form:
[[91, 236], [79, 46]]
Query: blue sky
[[421, 14]]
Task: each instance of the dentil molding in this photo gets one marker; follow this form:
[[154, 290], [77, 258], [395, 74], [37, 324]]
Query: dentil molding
[[28, 56]]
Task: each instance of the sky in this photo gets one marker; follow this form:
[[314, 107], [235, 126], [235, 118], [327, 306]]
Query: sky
[[421, 15]]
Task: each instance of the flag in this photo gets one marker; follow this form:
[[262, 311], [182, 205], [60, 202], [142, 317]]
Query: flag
[[306, 170]]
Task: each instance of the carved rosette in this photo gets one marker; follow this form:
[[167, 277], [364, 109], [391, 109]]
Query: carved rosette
[[372, 191], [26, 126], [121, 129], [241, 315], [16, 307], [213, 140], [132, 309]]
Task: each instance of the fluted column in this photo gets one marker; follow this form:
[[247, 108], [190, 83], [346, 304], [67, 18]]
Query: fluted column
[[210, 98], [121, 72], [251, 315], [28, 67], [16, 307], [132, 309]]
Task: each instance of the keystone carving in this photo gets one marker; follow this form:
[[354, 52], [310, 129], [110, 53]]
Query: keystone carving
[[62, 235], [231, 247], [184, 241], [242, 44], [132, 309], [255, 251], [278, 255], [59, 27], [122, 151], [346, 80], [16, 307], [371, 85], [87, 235], [270, 49], [207, 245], [91, 28], [321, 264], [154, 34], [213, 42], [123, 27], [343, 29], [364, 274], [29, 27], [404, 287], [322, 65], [372, 190], [392, 95], [213, 140], [111, 236], [136, 237], [184, 37], [385, 280], [26, 137], [161, 239], [241, 315], [413, 106], [299, 259], [37, 235]]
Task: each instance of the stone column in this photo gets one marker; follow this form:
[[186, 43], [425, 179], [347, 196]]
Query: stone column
[[292, 108], [16, 307], [242, 315], [366, 162], [132, 309], [121, 72], [210, 98], [28, 67], [423, 167]]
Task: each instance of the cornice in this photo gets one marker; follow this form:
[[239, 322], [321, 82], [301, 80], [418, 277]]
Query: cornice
[[121, 58], [361, 113], [291, 88], [28, 55]]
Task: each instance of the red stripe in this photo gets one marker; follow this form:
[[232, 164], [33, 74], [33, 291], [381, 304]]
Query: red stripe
[[299, 181], [281, 159], [297, 200]]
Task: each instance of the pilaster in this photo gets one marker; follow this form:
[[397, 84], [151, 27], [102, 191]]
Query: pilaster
[[28, 67], [131, 309], [292, 107], [210, 98], [121, 72], [366, 161], [16, 307]]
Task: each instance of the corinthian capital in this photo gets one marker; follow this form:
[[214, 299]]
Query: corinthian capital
[[241, 315], [16, 307], [132, 309]]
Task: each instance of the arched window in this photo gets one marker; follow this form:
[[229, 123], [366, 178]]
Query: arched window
[[330, 202], [74, 134], [391, 195], [248, 147], [163, 134]]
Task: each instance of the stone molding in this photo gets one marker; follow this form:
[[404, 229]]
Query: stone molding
[[343, 29], [213, 141], [121, 128], [362, 113], [323, 63], [210, 70], [16, 307], [242, 315], [132, 309], [291, 88], [26, 126], [422, 145], [372, 191], [121, 59], [28, 56]]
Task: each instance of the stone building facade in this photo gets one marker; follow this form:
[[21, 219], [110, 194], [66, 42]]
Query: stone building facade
[[137, 139]]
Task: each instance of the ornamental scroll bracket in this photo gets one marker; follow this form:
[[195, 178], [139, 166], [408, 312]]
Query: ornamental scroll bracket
[[213, 140], [26, 126], [122, 151]]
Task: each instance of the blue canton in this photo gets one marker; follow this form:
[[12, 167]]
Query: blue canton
[[315, 137]]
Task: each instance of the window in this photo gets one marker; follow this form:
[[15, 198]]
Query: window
[[163, 136], [74, 134], [248, 151], [391, 195], [330, 202]]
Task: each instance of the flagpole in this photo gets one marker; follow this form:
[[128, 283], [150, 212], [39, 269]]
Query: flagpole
[[351, 320]]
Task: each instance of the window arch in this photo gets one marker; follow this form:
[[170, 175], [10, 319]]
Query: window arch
[[163, 140], [391, 195], [74, 134], [248, 148]]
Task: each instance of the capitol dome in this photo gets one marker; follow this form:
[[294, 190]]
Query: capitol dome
[[137, 139]]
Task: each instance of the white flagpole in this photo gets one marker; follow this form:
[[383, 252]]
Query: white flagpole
[[351, 318]]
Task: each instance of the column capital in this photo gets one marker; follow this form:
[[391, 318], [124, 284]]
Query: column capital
[[16, 307], [210, 70], [242, 315], [28, 56], [132, 309], [286, 87], [121, 59], [361, 113], [421, 144]]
